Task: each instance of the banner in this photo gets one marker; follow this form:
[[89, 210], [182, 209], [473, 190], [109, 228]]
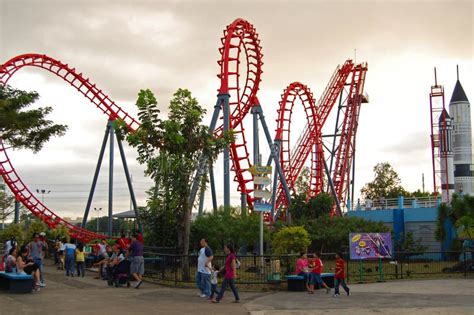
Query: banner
[[370, 245]]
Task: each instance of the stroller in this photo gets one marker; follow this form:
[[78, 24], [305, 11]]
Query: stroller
[[119, 275]]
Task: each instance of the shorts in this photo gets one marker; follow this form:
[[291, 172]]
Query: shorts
[[316, 279], [30, 269], [137, 265]]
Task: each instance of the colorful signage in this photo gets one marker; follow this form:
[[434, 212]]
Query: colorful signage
[[370, 245]]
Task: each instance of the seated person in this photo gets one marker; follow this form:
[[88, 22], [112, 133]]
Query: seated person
[[102, 263], [112, 265], [25, 265], [302, 269], [10, 262]]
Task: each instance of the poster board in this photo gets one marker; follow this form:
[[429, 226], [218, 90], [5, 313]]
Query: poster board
[[370, 246]]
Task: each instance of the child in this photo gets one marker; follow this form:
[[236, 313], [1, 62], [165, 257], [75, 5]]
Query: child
[[316, 274], [80, 259], [214, 274], [340, 275]]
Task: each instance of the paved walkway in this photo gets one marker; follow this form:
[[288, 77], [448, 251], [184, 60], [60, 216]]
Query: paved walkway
[[90, 296], [452, 296], [65, 295]]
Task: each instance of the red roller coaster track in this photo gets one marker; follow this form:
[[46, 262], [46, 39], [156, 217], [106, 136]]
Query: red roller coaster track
[[240, 42], [349, 75]]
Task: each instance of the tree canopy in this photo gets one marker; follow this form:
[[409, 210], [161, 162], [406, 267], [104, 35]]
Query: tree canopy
[[23, 128], [171, 150], [386, 183]]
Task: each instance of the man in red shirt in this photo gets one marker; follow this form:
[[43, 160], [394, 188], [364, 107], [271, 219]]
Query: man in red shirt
[[316, 274], [340, 275]]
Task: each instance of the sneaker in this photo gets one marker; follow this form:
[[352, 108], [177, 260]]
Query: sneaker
[[348, 293], [138, 284], [214, 301], [236, 301], [42, 285], [202, 295], [336, 295]]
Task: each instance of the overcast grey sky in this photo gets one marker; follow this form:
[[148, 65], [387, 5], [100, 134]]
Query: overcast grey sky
[[124, 46]]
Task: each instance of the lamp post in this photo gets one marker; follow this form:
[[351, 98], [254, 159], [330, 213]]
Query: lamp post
[[42, 192], [98, 213]]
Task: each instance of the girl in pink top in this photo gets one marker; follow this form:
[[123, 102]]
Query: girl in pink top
[[229, 276], [302, 269]]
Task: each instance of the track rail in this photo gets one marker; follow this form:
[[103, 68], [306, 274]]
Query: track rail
[[94, 95]]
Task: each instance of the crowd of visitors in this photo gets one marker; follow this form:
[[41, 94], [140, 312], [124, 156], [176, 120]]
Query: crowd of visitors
[[118, 263]]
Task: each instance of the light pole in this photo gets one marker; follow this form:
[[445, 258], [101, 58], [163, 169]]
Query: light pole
[[42, 192], [98, 213]]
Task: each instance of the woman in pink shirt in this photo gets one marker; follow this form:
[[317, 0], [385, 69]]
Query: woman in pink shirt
[[230, 274], [302, 269]]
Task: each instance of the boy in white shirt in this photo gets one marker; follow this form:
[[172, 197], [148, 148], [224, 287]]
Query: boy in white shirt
[[214, 274]]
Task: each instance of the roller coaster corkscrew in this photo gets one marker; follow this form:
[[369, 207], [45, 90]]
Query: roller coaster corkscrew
[[235, 101]]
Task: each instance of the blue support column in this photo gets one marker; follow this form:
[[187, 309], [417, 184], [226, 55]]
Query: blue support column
[[111, 182], [277, 145], [276, 158], [398, 225], [225, 109], [96, 174], [16, 220], [203, 160], [213, 189], [400, 200], [129, 184]]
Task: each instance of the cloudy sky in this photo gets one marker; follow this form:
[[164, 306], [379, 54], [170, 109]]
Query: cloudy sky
[[125, 46]]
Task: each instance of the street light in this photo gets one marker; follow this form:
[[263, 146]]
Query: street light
[[42, 192], [98, 213]]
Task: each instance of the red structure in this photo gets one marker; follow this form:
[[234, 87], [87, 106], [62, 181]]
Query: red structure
[[350, 77], [239, 43]]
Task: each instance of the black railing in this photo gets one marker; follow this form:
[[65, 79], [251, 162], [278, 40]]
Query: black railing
[[180, 270]]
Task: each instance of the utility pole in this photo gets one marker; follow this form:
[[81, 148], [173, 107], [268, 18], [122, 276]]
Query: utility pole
[[42, 192], [98, 214]]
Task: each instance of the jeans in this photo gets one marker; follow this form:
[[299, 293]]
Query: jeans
[[231, 284], [80, 268], [70, 265], [213, 290], [336, 285], [203, 281], [39, 262]]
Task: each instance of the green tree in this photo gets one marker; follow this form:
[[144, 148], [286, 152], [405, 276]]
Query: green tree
[[301, 185], [15, 230], [25, 128], [171, 150], [290, 240], [227, 227], [461, 214], [6, 205], [386, 183], [302, 210], [332, 234]]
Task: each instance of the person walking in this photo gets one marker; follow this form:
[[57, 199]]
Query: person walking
[[80, 259], [137, 267], [35, 248], [69, 251], [203, 274], [214, 281], [316, 274], [340, 275], [230, 275]]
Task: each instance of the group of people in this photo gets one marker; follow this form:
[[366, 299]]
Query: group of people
[[123, 258], [207, 273], [310, 267], [27, 259]]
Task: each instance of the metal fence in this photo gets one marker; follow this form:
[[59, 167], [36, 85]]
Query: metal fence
[[179, 270]]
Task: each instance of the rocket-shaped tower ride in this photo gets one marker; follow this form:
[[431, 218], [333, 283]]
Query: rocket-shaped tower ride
[[460, 112], [446, 155]]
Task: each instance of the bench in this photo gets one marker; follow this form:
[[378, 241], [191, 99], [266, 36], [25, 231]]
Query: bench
[[16, 283], [297, 283]]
